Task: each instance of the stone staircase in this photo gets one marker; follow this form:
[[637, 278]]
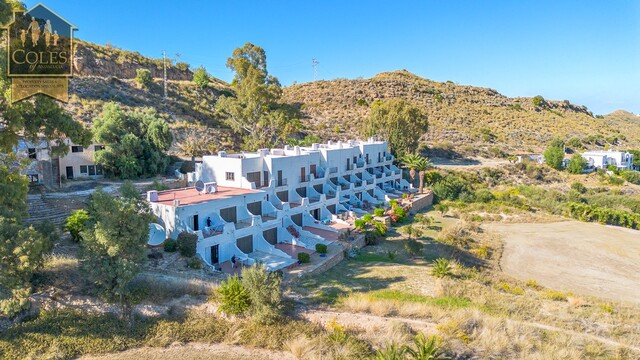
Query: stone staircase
[[41, 210]]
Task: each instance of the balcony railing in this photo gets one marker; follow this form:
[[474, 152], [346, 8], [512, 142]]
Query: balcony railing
[[370, 181], [344, 186], [389, 157], [281, 182], [305, 178], [333, 170], [349, 167], [368, 161], [360, 164], [398, 172], [358, 183]]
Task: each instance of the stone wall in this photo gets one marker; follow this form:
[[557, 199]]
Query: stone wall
[[418, 204]]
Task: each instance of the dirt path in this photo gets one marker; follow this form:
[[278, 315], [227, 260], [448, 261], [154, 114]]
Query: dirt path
[[583, 258], [195, 351]]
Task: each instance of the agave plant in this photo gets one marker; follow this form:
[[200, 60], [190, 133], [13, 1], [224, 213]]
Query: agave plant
[[391, 352], [425, 349], [441, 268]]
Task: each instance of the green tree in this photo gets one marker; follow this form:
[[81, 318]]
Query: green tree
[[144, 78], [255, 111], [265, 293], [538, 101], [136, 141], [113, 243], [21, 254], [577, 164], [399, 123], [553, 156], [201, 78], [416, 163]]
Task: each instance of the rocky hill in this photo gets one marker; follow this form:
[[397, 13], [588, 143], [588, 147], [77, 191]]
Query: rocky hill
[[466, 116]]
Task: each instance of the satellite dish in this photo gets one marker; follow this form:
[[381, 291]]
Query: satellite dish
[[199, 186], [156, 235]]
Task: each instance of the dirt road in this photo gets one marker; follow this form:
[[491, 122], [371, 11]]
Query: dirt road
[[584, 258]]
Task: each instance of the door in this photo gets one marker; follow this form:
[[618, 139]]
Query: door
[[312, 170], [195, 224], [215, 254], [265, 180], [303, 174], [271, 236], [70, 172], [245, 244], [348, 164], [297, 219], [316, 214], [254, 177], [280, 178]]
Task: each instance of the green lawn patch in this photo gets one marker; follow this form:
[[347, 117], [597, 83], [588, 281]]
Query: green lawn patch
[[450, 302]]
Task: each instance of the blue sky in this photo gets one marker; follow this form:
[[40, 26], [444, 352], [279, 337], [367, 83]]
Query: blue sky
[[585, 51]]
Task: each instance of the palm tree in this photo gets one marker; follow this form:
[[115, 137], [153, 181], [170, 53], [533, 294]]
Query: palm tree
[[416, 163]]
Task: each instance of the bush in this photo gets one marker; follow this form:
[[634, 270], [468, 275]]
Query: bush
[[538, 101], [265, 293], [359, 224], [201, 78], [368, 218], [484, 196], [304, 258], [553, 156], [195, 263], [413, 247], [232, 296], [143, 77], [76, 223], [321, 248], [631, 176], [170, 245], [450, 187], [579, 187], [378, 212], [186, 244], [577, 164], [441, 268]]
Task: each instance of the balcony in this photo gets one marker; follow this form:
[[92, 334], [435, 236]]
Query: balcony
[[360, 164], [241, 224], [368, 161], [369, 181], [344, 186], [349, 167], [388, 157], [305, 178], [333, 170], [281, 182], [269, 216]]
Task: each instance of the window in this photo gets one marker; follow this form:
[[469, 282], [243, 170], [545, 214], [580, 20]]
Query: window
[[98, 169], [83, 169], [76, 148], [92, 170], [231, 176], [98, 147], [32, 153]]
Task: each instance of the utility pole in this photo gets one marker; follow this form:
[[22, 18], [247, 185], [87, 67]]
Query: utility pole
[[164, 77], [314, 63]]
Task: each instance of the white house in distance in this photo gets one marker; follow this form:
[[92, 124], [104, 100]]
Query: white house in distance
[[257, 205], [601, 159]]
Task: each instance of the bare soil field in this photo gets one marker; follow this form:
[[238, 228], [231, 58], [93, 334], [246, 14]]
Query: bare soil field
[[196, 352], [583, 258]]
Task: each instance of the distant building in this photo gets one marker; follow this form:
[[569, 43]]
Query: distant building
[[601, 159], [43, 168]]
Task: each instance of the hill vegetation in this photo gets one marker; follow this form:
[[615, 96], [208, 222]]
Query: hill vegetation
[[463, 115]]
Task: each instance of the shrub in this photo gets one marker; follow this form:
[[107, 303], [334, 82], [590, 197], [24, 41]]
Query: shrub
[[577, 164], [304, 258], [400, 213], [143, 77], [413, 247], [631, 176], [336, 129], [195, 263], [484, 196], [555, 295], [232, 296], [201, 78], [579, 187], [186, 244], [441, 268], [378, 212], [265, 293], [553, 156], [368, 218], [76, 223], [608, 308], [321, 248], [515, 290], [360, 224], [533, 284], [538, 101], [615, 180], [170, 245], [425, 348]]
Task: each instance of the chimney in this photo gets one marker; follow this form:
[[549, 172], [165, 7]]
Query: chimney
[[222, 153], [315, 146], [152, 196], [296, 150]]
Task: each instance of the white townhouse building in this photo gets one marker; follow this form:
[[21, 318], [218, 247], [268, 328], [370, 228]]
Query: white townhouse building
[[253, 203], [600, 159]]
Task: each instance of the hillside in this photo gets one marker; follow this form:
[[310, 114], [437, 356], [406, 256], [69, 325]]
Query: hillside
[[459, 114], [106, 73]]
